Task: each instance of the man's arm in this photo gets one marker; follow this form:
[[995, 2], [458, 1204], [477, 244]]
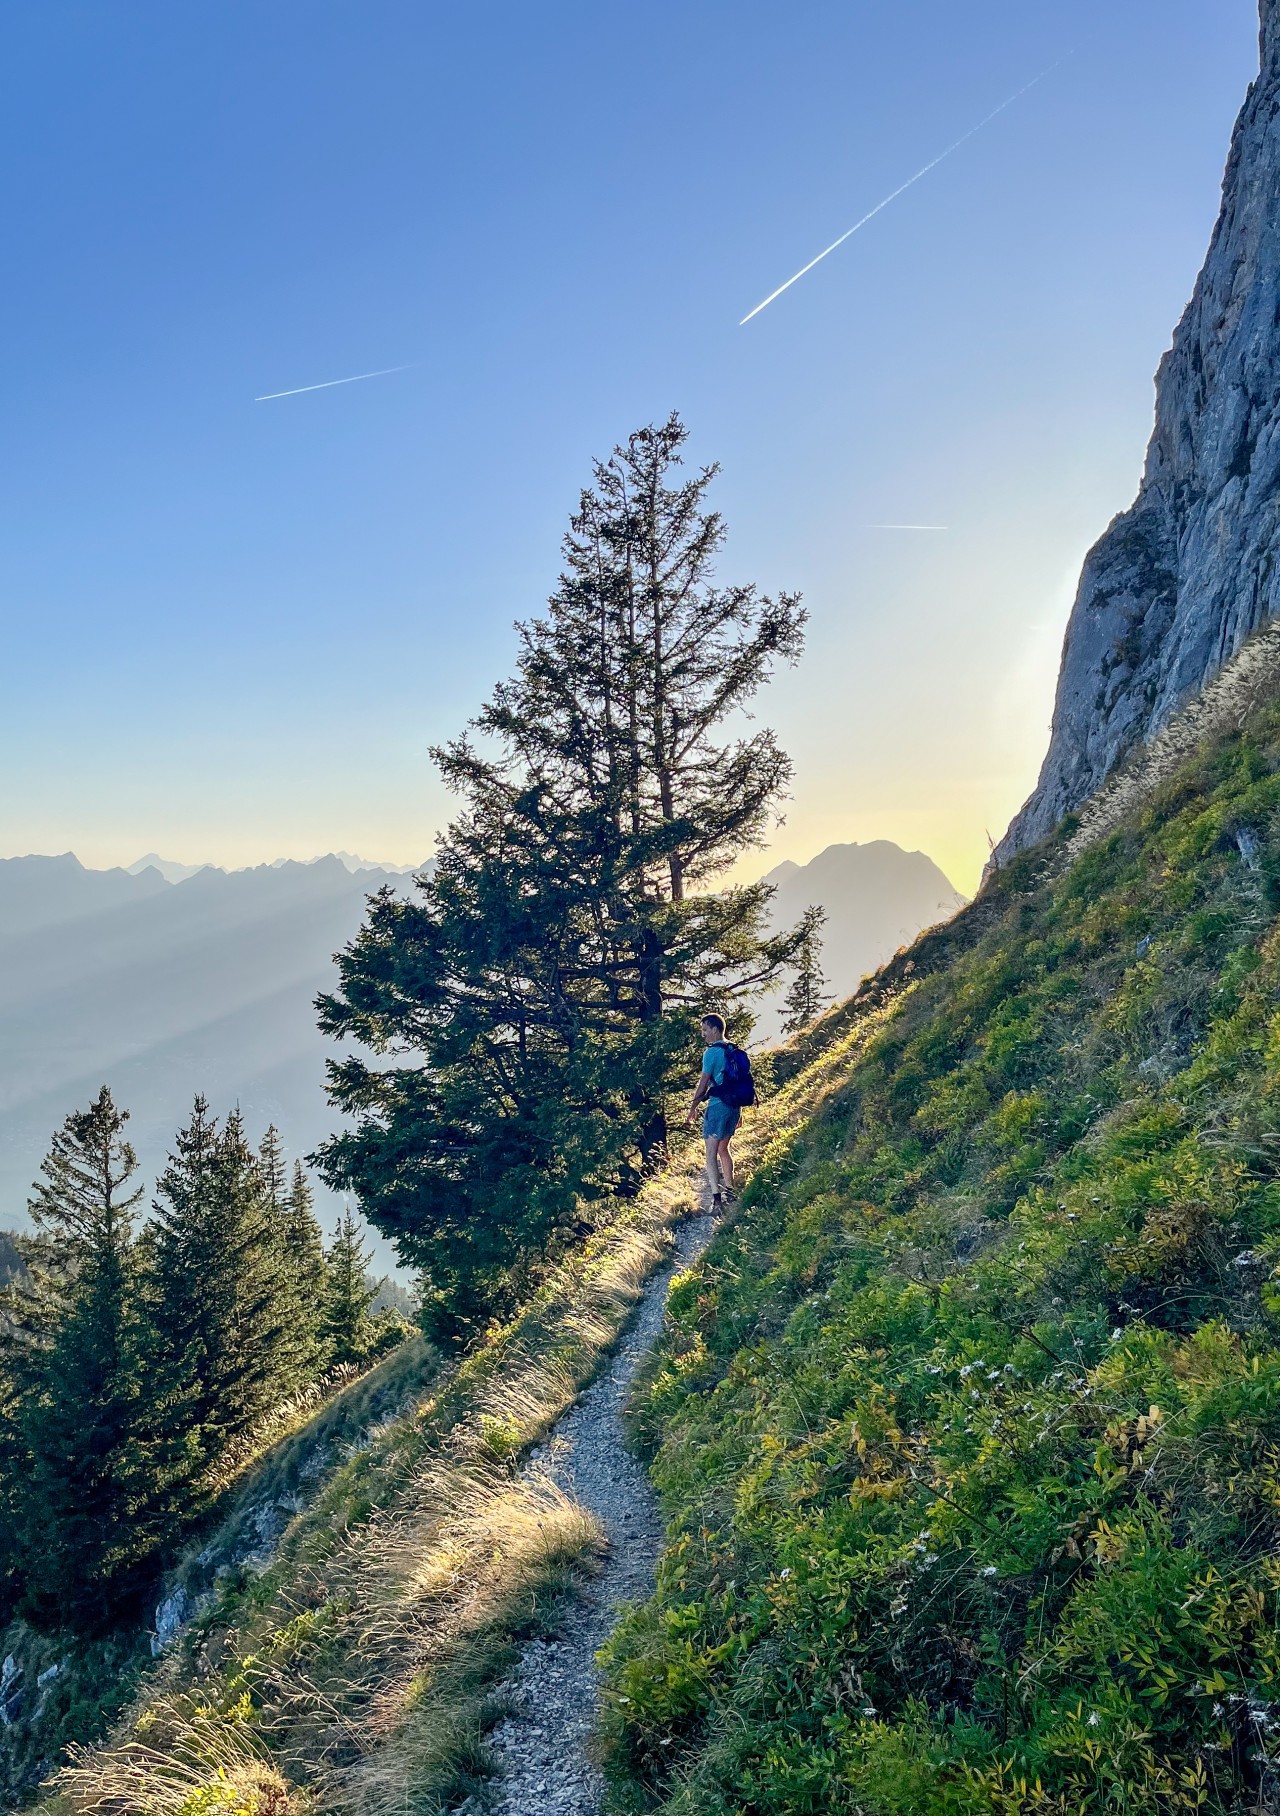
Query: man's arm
[[704, 1085]]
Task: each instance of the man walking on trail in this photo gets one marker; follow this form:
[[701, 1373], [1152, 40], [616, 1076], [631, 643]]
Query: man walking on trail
[[720, 1118]]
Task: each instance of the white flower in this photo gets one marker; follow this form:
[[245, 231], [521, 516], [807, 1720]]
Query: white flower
[[784, 1574], [1116, 1335], [1094, 1718], [990, 1570]]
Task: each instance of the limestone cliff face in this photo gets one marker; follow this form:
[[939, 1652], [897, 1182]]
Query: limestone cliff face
[[1180, 580]]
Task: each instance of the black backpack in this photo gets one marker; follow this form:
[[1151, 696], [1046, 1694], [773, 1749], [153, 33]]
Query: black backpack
[[736, 1087]]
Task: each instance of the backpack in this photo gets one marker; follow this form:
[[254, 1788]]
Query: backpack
[[737, 1087]]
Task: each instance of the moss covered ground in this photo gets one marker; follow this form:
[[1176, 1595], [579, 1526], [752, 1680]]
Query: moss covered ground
[[968, 1427]]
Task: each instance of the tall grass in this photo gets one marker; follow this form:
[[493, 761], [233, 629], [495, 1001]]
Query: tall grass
[[353, 1673]]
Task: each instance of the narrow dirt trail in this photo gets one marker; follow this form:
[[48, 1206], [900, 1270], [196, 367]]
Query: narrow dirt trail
[[543, 1745]]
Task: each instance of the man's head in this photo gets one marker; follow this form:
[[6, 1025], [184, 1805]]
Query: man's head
[[712, 1029]]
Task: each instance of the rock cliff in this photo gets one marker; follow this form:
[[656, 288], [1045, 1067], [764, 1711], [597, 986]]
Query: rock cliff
[[1179, 581]]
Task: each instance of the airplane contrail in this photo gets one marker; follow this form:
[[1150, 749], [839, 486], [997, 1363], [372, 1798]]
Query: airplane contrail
[[902, 189], [329, 383]]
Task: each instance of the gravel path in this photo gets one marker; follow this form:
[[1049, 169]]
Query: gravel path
[[543, 1744]]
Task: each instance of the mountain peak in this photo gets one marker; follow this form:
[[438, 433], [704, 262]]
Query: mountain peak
[[1179, 581]]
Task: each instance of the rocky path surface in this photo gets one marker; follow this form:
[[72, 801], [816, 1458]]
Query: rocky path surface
[[544, 1744]]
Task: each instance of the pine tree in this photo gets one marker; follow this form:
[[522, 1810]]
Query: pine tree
[[549, 970], [296, 1260], [306, 1257], [349, 1293], [220, 1333], [90, 1501], [807, 996]]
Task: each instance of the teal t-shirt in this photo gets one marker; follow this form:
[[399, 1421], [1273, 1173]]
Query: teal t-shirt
[[713, 1064]]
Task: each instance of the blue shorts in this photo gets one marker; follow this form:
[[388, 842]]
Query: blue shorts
[[719, 1119]]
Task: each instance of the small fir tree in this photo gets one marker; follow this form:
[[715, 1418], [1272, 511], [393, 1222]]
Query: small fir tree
[[807, 996], [219, 1314], [349, 1293], [297, 1260], [90, 1502], [305, 1245]]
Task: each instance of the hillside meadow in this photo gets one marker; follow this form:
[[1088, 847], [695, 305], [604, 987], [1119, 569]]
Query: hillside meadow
[[966, 1427]]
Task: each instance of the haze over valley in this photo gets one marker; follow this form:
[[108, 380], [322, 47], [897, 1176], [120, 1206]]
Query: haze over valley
[[163, 979]]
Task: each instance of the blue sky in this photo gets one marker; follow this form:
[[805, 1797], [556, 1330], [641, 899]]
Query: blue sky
[[233, 628]]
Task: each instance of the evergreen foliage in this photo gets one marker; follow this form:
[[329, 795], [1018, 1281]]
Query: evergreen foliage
[[349, 1293], [807, 995], [219, 1314], [967, 1427], [132, 1362], [297, 1258], [86, 1495], [544, 979]]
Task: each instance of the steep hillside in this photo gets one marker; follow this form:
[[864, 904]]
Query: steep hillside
[[352, 1669], [877, 898], [1180, 580], [160, 990], [967, 1427]]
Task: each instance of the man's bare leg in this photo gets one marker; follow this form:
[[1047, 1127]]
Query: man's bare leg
[[713, 1169], [724, 1160]]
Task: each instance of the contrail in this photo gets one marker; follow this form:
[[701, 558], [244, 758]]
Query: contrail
[[903, 187], [906, 526], [330, 382]]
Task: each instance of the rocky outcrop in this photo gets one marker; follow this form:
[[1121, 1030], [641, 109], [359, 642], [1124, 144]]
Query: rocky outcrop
[[1179, 582]]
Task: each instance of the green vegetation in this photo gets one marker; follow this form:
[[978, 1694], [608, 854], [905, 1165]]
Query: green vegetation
[[352, 1671], [140, 1367], [807, 995], [969, 1426], [540, 989]]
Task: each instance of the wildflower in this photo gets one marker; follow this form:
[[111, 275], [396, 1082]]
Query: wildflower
[[1094, 1718], [989, 1570], [1116, 1334]]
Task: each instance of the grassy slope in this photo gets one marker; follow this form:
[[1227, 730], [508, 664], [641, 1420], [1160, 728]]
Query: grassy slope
[[968, 1426], [286, 1460], [352, 1674]]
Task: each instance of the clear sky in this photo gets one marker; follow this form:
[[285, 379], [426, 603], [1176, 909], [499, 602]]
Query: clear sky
[[232, 629]]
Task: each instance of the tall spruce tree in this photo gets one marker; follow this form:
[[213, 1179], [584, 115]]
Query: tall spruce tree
[[219, 1322], [547, 971], [89, 1504], [349, 1293], [807, 995]]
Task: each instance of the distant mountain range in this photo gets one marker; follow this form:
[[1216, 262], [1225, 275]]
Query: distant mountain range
[[166, 979], [162, 985], [877, 898]]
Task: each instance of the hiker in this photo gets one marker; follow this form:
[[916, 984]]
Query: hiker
[[725, 1087]]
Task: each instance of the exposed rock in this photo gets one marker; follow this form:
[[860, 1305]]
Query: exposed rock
[[1179, 582], [171, 1617]]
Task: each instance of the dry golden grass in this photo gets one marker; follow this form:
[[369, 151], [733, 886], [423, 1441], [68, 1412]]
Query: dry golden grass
[[358, 1683]]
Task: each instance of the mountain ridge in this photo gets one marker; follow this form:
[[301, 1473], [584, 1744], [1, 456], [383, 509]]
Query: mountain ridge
[[1179, 581]]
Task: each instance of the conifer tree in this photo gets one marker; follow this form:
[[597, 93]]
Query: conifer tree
[[305, 1247], [807, 996], [549, 971], [216, 1307], [296, 1259], [349, 1293], [90, 1499]]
